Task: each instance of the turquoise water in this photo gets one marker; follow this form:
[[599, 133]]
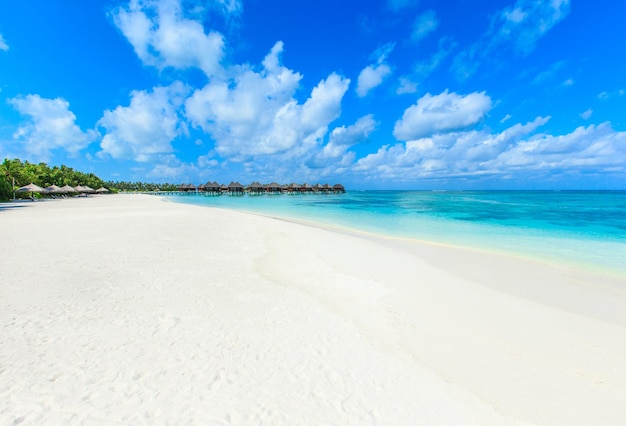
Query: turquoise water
[[585, 228]]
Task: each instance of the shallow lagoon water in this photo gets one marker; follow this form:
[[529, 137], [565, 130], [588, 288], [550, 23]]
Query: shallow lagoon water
[[585, 228]]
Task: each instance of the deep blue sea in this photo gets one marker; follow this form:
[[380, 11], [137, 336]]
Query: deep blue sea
[[584, 228]]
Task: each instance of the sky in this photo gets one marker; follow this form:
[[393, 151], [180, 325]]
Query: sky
[[389, 94]]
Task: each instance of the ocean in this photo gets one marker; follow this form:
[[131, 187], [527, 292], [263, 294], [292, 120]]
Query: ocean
[[579, 228]]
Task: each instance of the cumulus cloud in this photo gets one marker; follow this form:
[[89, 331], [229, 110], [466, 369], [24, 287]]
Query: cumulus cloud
[[519, 26], [255, 113], [423, 25], [168, 168], [373, 75], [51, 126], [370, 77], [162, 37], [335, 152], [145, 128], [3, 44], [517, 151], [441, 113]]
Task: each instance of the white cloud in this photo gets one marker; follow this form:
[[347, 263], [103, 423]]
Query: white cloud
[[527, 21], [145, 128], [587, 114], [52, 126], [230, 7], [613, 94], [406, 86], [516, 151], [568, 82], [506, 118], [441, 113], [520, 26], [255, 113], [163, 37], [549, 73], [168, 168], [373, 75], [335, 152], [3, 44], [423, 25], [593, 147]]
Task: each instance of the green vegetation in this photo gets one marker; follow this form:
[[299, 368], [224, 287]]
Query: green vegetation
[[141, 186], [15, 173]]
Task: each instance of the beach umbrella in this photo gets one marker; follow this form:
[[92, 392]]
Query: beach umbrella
[[53, 189], [31, 187], [101, 190], [89, 190], [67, 189]]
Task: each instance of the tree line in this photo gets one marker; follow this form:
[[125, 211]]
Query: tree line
[[16, 173]]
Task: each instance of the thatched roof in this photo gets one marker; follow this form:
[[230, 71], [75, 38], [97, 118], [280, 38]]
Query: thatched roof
[[53, 189], [31, 187]]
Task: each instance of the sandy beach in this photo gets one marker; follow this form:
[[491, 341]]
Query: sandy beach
[[128, 309]]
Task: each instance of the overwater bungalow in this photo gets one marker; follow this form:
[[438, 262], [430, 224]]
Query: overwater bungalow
[[187, 187], [235, 188], [293, 188], [274, 188], [212, 187], [256, 188]]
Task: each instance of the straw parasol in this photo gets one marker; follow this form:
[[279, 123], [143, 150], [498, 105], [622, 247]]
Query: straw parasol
[[31, 187], [101, 190], [53, 189], [67, 189]]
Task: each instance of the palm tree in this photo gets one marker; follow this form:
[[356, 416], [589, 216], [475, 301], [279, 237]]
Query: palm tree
[[12, 170]]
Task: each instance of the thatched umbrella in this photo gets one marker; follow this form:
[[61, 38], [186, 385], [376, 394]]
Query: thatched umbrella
[[101, 190], [89, 190], [53, 189], [67, 189], [31, 187]]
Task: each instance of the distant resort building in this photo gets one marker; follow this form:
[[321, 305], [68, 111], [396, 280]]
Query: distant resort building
[[257, 188]]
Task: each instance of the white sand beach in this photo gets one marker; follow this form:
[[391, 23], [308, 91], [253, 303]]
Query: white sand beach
[[128, 309]]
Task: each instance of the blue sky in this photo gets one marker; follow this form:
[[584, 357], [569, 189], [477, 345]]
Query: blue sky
[[415, 94]]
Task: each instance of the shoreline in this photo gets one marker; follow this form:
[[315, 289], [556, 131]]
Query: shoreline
[[610, 272], [117, 305]]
